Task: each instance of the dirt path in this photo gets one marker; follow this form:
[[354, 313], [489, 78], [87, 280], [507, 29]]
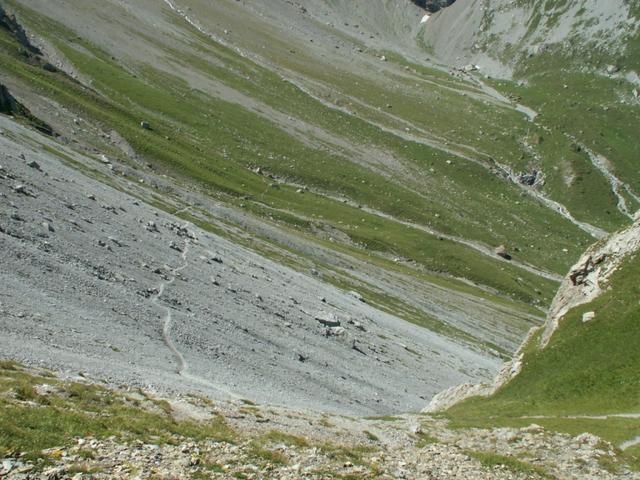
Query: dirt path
[[630, 443], [182, 368], [623, 446], [166, 329]]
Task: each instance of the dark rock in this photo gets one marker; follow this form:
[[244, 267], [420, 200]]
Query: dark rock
[[528, 179], [21, 189], [34, 164], [501, 251], [328, 319], [9, 22], [433, 5]]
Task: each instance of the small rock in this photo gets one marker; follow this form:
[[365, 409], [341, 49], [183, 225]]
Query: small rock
[[328, 319], [588, 316], [7, 466], [611, 69], [335, 332], [47, 226], [357, 296], [115, 240], [21, 189], [34, 164], [501, 251], [145, 125]]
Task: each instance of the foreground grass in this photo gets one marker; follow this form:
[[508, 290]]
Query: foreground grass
[[39, 412], [31, 422]]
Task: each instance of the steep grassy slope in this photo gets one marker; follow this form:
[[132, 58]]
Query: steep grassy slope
[[586, 378]]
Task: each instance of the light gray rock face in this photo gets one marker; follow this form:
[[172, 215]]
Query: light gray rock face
[[588, 277], [478, 32], [96, 281]]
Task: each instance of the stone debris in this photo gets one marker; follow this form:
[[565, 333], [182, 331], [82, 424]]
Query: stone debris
[[21, 189], [501, 251], [406, 447], [328, 319]]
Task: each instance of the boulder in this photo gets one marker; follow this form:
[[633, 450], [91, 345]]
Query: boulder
[[501, 251], [328, 319]]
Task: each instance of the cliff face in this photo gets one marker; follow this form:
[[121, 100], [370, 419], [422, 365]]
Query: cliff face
[[588, 278]]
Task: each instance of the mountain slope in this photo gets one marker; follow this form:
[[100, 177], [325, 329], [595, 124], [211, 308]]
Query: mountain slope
[[580, 371], [321, 132]]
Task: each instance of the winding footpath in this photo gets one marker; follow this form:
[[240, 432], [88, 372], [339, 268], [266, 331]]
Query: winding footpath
[[182, 367], [168, 317]]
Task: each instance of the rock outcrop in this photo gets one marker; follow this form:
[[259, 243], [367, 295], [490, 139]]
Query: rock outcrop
[[585, 281], [588, 277]]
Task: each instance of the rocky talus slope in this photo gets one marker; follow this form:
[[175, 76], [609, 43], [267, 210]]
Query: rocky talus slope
[[147, 298]]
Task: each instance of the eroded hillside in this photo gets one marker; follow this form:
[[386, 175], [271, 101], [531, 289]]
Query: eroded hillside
[[338, 205]]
